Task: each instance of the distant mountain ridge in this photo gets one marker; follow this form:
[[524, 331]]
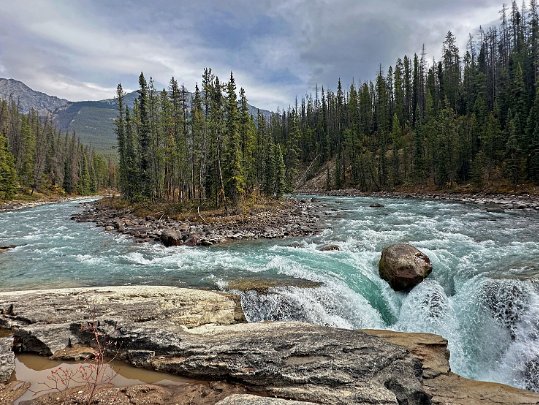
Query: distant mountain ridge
[[28, 98], [92, 121]]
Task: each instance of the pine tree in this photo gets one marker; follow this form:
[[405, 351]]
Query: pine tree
[[235, 180], [532, 141], [144, 140], [280, 180], [513, 152], [120, 135], [8, 174]]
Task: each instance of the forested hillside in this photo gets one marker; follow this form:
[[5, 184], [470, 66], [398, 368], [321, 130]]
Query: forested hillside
[[35, 156], [472, 117]]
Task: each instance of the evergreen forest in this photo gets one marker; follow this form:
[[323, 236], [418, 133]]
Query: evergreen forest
[[35, 156], [471, 118]]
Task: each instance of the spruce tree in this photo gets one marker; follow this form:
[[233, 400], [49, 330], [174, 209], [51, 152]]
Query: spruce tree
[[234, 176], [8, 174], [144, 139], [280, 180]]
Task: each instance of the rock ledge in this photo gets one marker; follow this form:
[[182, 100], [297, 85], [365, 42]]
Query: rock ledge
[[200, 334]]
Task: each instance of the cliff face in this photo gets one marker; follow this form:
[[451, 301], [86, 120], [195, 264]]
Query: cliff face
[[201, 334]]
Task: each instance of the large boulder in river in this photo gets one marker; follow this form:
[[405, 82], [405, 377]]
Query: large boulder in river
[[403, 266], [170, 237]]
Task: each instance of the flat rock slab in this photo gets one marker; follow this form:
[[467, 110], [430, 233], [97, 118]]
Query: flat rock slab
[[44, 318], [456, 390], [166, 306], [294, 361], [429, 348]]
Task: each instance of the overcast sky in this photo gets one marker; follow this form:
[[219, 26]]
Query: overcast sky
[[278, 50]]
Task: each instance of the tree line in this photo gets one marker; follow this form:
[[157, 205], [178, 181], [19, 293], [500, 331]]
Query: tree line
[[35, 156], [204, 148], [471, 117]]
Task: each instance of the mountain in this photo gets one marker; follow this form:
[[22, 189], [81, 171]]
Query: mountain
[[28, 98], [92, 121]]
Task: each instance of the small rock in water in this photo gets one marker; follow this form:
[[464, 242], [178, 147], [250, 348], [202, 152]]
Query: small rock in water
[[6, 248], [403, 266], [329, 248], [376, 205], [295, 245], [495, 209]]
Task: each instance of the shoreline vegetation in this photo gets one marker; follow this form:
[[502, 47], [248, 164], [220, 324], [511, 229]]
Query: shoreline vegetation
[[512, 198], [470, 118]]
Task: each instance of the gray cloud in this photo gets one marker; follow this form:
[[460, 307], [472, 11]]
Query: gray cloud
[[277, 50]]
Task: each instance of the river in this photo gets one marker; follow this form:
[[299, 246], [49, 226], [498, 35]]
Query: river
[[483, 294]]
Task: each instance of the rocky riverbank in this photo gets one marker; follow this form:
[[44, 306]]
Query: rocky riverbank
[[491, 201], [23, 204], [290, 219], [202, 335]]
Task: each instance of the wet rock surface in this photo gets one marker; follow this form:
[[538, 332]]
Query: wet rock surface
[[286, 360], [196, 334], [403, 266], [293, 219], [329, 248]]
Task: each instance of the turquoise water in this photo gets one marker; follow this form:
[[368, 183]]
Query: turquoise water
[[483, 294]]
